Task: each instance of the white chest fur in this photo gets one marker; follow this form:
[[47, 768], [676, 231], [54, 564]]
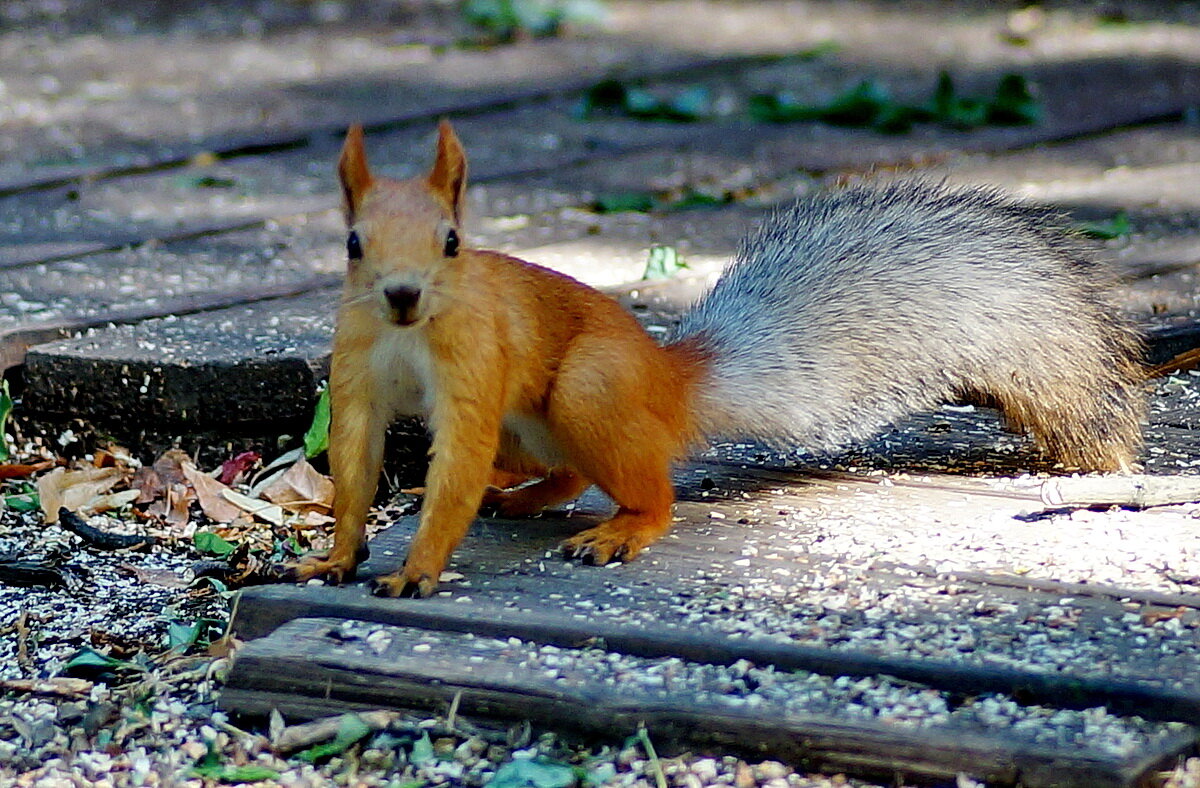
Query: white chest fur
[[403, 371]]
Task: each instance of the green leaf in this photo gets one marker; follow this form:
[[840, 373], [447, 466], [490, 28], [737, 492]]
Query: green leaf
[[88, 657], [192, 181], [422, 750], [212, 544], [697, 199], [533, 773], [619, 202], [641, 103], [826, 47], [663, 262], [943, 96], [780, 108], [494, 16], [504, 19], [612, 97], [316, 440], [1108, 229], [251, 773], [211, 766], [182, 635], [694, 103], [897, 118], [6, 406], [859, 106], [963, 114], [25, 502], [351, 730], [608, 94], [1014, 103]]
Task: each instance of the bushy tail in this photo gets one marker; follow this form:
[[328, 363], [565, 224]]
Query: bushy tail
[[852, 309]]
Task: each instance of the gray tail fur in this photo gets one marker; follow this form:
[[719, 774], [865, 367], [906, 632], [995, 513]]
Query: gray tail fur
[[852, 309]]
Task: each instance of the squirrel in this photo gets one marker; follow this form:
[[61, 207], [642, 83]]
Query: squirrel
[[839, 315]]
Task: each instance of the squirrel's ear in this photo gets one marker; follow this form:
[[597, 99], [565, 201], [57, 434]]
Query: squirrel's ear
[[448, 180], [353, 172]]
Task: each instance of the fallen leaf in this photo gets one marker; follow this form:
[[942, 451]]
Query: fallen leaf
[[263, 510], [61, 686], [224, 646], [1156, 615], [154, 577], [74, 490], [301, 488], [164, 486], [315, 519], [104, 503], [233, 469], [113, 454], [13, 471], [209, 492]]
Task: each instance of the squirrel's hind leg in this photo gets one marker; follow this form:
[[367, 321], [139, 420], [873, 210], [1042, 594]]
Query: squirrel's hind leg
[[558, 485]]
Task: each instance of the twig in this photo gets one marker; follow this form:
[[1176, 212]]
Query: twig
[[298, 737], [1187, 360], [1138, 491], [23, 641], [452, 715], [660, 777]]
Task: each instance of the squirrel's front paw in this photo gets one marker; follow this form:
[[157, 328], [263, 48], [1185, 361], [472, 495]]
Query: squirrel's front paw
[[409, 583], [334, 571]]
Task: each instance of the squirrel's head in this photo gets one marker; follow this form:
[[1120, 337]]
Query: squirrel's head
[[403, 236]]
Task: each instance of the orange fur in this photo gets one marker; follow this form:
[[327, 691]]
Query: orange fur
[[518, 370]]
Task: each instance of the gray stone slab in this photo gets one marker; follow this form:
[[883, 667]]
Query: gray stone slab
[[243, 370]]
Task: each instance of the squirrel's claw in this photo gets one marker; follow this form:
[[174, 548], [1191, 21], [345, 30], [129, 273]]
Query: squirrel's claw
[[599, 546], [331, 570], [402, 584]]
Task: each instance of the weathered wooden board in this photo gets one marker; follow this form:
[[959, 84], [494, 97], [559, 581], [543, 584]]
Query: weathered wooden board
[[311, 666]]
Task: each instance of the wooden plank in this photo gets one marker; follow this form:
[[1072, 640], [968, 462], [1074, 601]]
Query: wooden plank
[[264, 609], [699, 589], [313, 666]]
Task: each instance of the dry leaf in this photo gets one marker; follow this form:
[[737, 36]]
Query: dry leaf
[[61, 686], [113, 454], [1157, 615], [209, 492], [164, 486], [104, 503], [155, 577], [224, 646], [232, 470], [74, 490], [263, 510], [14, 471], [316, 520], [301, 489]]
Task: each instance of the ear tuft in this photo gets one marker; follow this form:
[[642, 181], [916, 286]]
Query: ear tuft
[[448, 179], [353, 172]]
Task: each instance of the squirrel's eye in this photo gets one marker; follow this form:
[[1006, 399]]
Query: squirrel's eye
[[353, 246], [451, 249]]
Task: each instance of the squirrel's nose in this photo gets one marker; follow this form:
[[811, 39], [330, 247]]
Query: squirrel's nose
[[403, 301]]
